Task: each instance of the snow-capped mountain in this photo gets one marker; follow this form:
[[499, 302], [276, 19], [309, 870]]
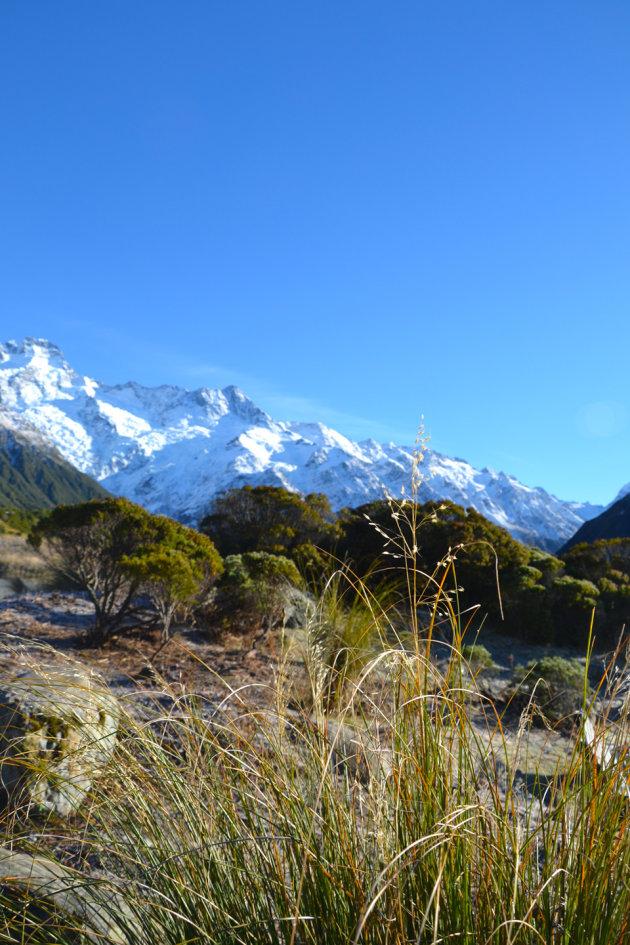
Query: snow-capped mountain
[[172, 450], [16, 429]]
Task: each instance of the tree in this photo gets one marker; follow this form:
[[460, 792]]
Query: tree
[[269, 518], [176, 569], [118, 552]]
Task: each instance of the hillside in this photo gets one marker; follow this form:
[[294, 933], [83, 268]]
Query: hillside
[[33, 473], [614, 522]]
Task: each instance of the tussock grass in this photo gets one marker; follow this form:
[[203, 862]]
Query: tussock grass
[[237, 824], [20, 562], [380, 813]]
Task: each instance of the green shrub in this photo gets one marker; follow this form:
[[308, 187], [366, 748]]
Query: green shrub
[[477, 656], [556, 685], [549, 565], [528, 614], [601, 572], [576, 593], [270, 519], [615, 601], [175, 567], [445, 529], [17, 520], [250, 595], [118, 553]]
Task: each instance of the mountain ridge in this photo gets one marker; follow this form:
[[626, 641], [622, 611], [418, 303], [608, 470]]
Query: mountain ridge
[[172, 449]]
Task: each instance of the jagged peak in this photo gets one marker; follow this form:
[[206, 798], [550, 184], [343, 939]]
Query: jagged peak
[[235, 392], [37, 355], [243, 406], [183, 444], [141, 388], [30, 345]]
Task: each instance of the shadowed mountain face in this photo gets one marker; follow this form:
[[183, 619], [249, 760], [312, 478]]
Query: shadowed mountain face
[[33, 474], [614, 522]]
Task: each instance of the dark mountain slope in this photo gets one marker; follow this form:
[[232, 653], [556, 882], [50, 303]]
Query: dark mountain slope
[[33, 474], [613, 522]]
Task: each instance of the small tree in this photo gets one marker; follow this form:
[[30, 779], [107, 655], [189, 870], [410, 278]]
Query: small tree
[[85, 544], [176, 569], [115, 551]]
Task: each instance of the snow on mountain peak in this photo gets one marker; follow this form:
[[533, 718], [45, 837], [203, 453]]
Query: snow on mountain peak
[[243, 407], [33, 370], [29, 347], [173, 450], [19, 428], [35, 354]]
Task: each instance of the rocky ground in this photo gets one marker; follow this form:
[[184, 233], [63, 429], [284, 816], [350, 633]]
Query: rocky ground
[[38, 628], [52, 627], [58, 623]]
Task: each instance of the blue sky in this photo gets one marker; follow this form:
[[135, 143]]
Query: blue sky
[[361, 213]]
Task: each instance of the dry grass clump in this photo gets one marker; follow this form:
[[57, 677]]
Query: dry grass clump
[[21, 563]]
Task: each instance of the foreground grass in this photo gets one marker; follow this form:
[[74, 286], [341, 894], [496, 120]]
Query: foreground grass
[[396, 822]]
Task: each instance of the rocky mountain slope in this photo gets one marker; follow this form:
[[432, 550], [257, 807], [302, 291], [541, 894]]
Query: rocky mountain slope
[[33, 473], [172, 449]]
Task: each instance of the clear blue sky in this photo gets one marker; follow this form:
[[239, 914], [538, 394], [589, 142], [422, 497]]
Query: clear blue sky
[[358, 212]]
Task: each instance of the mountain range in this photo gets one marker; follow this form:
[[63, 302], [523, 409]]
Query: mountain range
[[172, 450]]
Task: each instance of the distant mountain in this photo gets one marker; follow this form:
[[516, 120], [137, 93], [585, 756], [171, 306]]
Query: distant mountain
[[614, 522], [33, 473], [172, 450]]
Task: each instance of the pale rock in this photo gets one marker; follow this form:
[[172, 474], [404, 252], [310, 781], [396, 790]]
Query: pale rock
[[58, 727]]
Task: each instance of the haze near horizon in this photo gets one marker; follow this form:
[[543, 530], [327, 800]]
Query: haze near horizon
[[358, 215]]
